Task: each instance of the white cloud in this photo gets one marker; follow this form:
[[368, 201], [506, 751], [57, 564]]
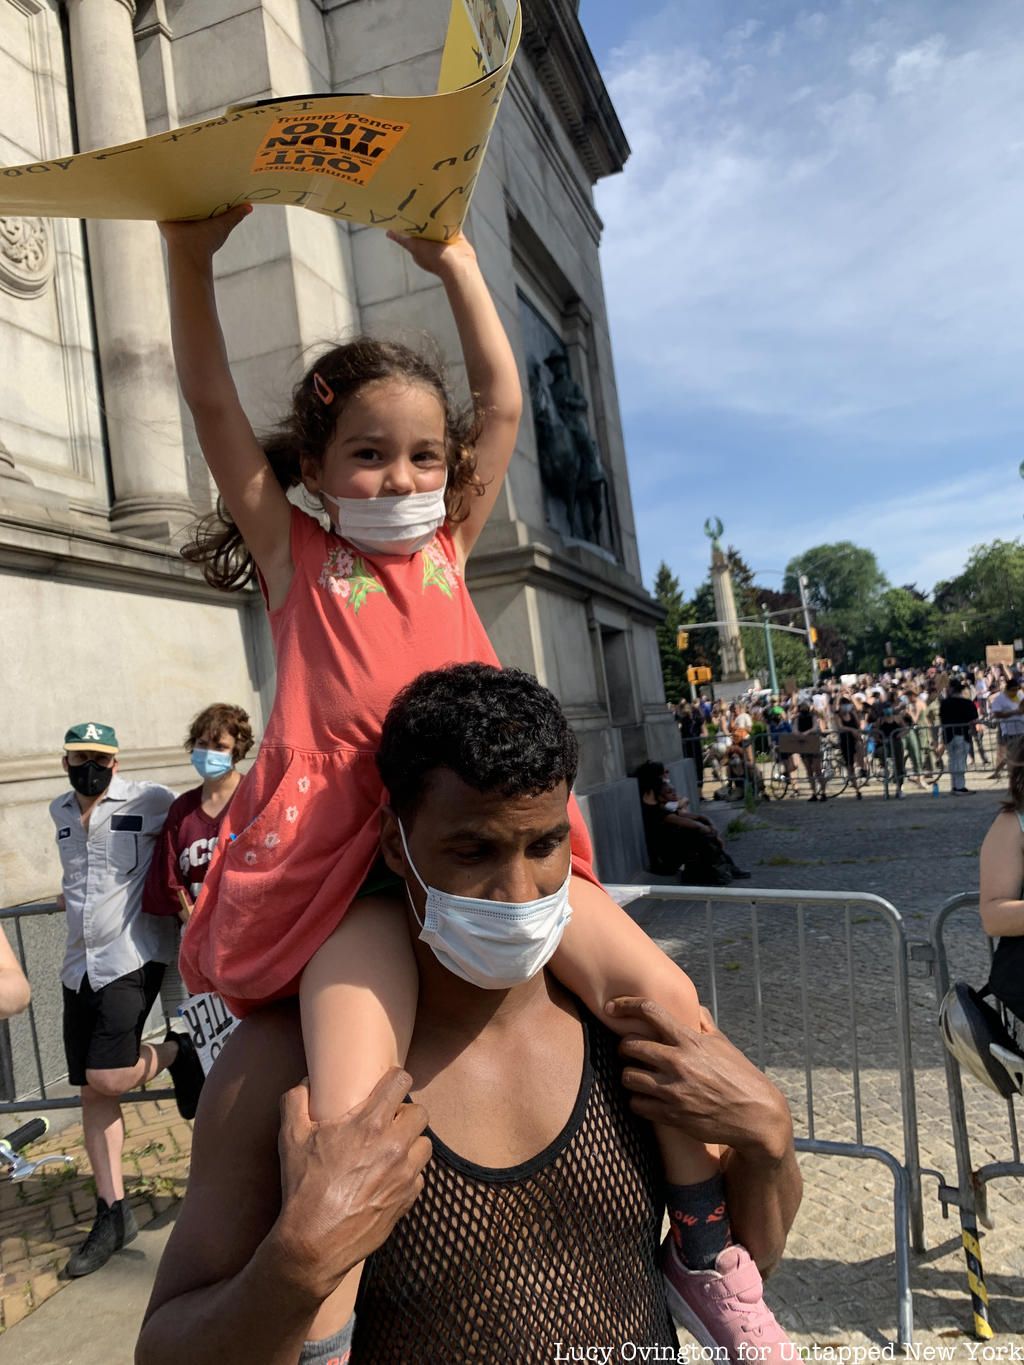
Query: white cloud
[[811, 25], [812, 267], [917, 65], [829, 242]]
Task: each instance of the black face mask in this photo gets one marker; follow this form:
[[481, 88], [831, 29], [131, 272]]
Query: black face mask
[[89, 779]]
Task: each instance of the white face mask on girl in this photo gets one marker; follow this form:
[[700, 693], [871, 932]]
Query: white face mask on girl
[[491, 944], [398, 524]]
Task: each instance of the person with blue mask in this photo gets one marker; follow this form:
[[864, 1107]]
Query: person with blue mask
[[218, 739]]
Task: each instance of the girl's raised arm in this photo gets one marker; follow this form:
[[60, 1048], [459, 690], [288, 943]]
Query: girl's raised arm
[[490, 367], [252, 494]]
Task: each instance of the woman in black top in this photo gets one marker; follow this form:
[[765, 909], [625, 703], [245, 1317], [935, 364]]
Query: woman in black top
[[891, 725], [804, 724], [848, 728]]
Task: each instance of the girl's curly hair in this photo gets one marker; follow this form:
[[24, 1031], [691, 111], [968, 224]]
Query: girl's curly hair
[[217, 543]]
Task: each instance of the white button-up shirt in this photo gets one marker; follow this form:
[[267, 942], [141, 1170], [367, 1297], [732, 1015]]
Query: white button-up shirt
[[105, 870]]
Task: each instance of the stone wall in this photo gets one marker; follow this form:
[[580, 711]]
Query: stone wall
[[99, 467]]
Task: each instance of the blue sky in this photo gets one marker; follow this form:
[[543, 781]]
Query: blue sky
[[813, 264]]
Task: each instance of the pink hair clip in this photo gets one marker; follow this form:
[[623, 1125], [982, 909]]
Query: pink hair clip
[[323, 390]]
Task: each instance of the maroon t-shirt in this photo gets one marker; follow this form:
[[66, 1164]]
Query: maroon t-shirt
[[182, 855]]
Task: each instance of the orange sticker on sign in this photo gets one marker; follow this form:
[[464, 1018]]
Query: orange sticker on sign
[[345, 146]]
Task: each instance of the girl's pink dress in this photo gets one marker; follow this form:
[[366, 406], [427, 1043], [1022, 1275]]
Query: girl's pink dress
[[302, 831]]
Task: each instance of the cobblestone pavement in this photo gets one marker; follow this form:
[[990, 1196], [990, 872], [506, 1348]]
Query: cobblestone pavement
[[837, 1283], [43, 1219]]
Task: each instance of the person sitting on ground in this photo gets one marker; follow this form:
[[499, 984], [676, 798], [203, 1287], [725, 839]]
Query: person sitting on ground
[[537, 1219], [678, 841], [15, 992], [742, 771]]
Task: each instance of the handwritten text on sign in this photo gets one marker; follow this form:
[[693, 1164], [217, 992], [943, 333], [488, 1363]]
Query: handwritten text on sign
[[347, 146]]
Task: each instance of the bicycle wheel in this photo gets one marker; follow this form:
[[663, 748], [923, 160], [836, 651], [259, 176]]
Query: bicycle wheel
[[834, 774], [778, 782]]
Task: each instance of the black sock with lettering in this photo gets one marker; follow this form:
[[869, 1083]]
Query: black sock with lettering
[[699, 1221]]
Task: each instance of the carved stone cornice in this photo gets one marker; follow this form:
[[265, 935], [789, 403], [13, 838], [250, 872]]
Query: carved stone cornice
[[555, 43], [26, 256], [576, 571]]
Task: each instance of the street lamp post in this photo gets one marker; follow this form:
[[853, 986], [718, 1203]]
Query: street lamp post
[[802, 581], [770, 649]]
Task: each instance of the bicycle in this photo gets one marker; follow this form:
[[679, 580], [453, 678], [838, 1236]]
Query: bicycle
[[15, 1167], [835, 775]]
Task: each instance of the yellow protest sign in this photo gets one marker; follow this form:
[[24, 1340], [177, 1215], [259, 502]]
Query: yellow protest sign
[[410, 163]]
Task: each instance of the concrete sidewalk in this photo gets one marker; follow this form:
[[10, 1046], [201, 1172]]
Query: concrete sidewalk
[[43, 1219], [94, 1321]]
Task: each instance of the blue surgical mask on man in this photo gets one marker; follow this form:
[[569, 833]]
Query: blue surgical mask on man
[[491, 944], [212, 762]]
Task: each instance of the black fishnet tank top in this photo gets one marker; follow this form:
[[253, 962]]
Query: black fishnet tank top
[[500, 1265]]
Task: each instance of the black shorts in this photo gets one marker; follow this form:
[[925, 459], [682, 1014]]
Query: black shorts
[[103, 1029]]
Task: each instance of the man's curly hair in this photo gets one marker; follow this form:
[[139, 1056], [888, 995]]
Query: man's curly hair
[[497, 729]]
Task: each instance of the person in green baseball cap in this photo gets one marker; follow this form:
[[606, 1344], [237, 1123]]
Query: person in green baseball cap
[[90, 757], [106, 830]]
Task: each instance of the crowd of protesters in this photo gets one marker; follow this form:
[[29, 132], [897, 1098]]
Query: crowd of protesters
[[922, 722]]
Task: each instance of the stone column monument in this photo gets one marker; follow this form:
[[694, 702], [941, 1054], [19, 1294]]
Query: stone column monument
[[730, 642], [140, 395]]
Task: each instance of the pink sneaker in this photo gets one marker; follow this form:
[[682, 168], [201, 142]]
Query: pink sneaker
[[725, 1306]]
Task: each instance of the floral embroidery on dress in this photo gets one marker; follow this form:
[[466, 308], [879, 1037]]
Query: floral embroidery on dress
[[291, 814], [272, 840], [438, 570], [303, 785], [346, 575], [250, 857]]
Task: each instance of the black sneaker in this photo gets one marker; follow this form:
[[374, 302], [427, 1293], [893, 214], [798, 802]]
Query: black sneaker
[[186, 1074], [113, 1229]]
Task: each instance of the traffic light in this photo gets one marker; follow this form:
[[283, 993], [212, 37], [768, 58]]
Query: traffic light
[[698, 675], [813, 633], [824, 665], [682, 640]]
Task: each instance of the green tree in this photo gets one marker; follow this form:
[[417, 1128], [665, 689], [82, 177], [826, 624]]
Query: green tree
[[792, 658], [984, 604], [670, 596], [906, 621], [844, 586]]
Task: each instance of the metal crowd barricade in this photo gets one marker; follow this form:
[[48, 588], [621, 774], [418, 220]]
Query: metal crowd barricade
[[970, 1195], [869, 759], [748, 1029], [46, 1000], [927, 752]]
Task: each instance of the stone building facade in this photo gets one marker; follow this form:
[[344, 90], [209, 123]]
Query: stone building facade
[[99, 469]]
